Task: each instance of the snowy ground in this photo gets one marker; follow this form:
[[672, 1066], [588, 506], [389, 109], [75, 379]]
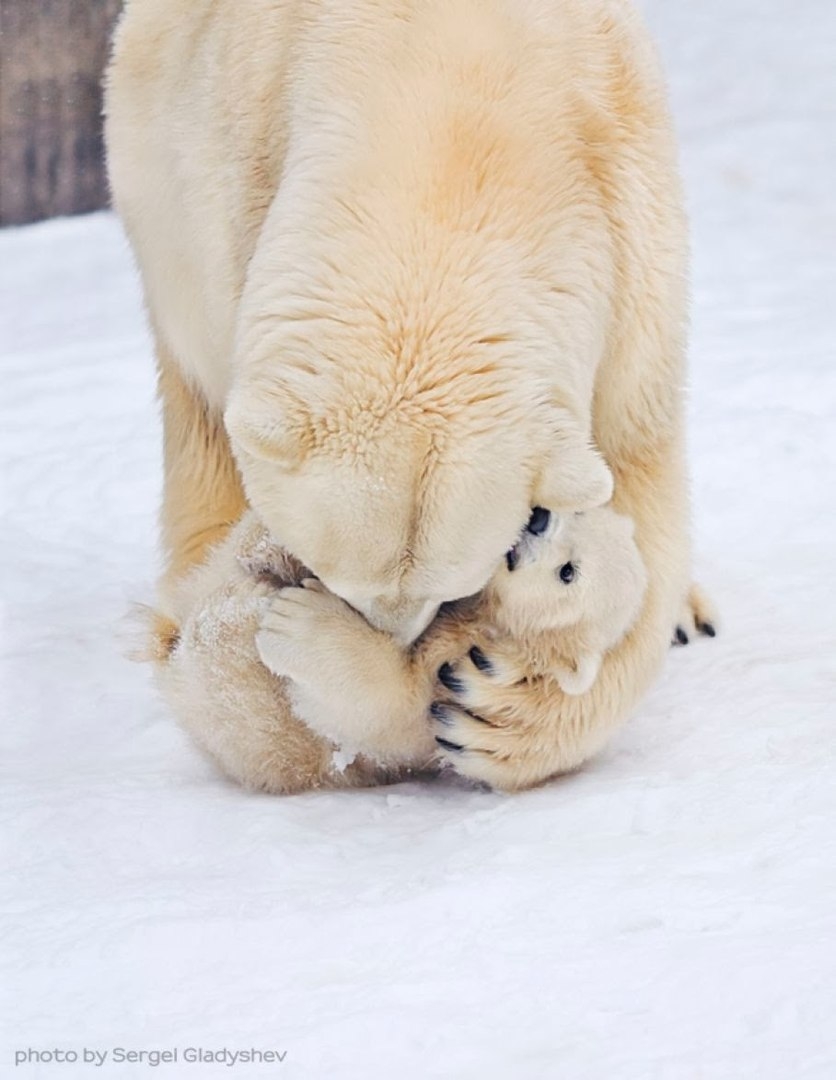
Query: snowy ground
[[667, 913]]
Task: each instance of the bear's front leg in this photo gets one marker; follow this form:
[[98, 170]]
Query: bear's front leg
[[350, 683]]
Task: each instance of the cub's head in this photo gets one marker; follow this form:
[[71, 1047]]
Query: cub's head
[[568, 570], [398, 504]]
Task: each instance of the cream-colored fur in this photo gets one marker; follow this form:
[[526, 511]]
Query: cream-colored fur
[[344, 703], [418, 255], [355, 687], [210, 673], [569, 596]]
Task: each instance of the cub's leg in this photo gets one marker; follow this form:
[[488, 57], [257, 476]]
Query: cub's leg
[[237, 711], [350, 683], [202, 492]]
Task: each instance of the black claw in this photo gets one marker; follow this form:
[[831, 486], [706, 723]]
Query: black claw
[[438, 711], [680, 637], [479, 659], [707, 628], [447, 745], [448, 678]]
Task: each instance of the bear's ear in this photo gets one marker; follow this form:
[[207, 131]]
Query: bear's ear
[[580, 678], [575, 475], [260, 424]]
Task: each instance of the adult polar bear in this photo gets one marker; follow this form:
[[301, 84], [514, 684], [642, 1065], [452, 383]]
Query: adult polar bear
[[410, 255]]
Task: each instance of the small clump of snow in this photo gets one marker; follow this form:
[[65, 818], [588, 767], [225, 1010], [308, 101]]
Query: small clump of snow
[[341, 759]]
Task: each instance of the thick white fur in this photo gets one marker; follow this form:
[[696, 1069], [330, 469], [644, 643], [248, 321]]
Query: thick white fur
[[209, 671], [566, 628], [350, 684], [342, 700], [420, 255]]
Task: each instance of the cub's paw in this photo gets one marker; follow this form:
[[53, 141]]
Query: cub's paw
[[479, 722], [304, 630], [474, 679], [698, 616], [490, 750]]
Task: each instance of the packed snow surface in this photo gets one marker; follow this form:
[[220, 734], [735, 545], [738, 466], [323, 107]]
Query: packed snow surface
[[668, 912]]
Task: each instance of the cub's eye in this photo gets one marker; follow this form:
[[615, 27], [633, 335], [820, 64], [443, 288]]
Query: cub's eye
[[567, 573], [539, 521]]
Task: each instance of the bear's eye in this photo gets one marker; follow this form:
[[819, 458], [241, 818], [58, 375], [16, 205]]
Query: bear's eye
[[567, 573]]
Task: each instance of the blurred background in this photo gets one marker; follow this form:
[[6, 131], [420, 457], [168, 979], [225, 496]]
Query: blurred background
[[52, 54]]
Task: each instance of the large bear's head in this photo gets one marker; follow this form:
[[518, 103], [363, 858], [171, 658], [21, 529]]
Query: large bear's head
[[401, 502]]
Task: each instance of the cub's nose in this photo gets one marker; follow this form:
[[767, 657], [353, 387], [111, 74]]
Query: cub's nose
[[539, 521]]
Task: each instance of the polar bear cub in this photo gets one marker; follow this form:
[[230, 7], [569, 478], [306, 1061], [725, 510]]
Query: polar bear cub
[[572, 587], [289, 688], [565, 594]]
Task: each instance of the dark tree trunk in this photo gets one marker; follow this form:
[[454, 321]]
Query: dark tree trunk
[[52, 55]]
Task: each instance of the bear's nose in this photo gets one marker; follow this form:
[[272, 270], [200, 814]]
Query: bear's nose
[[539, 521], [404, 621]]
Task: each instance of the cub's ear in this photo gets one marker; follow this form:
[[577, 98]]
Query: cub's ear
[[261, 425], [256, 551], [580, 678], [575, 475], [262, 557]]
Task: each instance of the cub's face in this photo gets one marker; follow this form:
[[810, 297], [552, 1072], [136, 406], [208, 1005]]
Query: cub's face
[[397, 516], [567, 569]]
